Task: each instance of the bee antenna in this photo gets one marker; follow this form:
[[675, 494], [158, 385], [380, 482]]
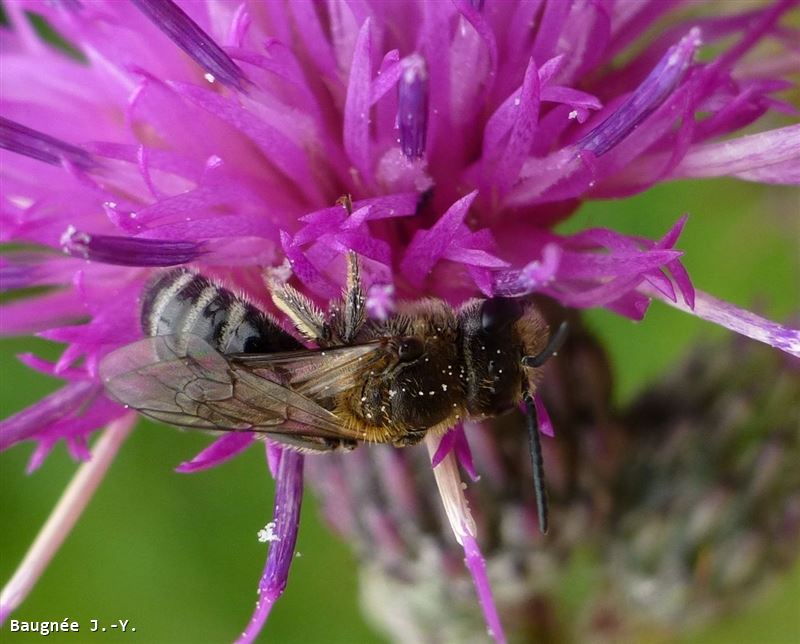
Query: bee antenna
[[556, 340], [537, 462]]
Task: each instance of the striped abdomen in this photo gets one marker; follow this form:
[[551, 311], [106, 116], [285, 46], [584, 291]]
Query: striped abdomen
[[180, 302]]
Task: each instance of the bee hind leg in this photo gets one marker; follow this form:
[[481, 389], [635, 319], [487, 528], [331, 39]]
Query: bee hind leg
[[305, 315], [312, 444], [348, 314], [344, 320]]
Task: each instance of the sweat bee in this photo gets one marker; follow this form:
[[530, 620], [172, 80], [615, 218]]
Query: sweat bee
[[214, 361]]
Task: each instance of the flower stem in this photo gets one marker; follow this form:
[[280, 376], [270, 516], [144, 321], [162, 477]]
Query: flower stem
[[63, 518]]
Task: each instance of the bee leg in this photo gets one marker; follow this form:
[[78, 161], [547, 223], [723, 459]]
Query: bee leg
[[305, 315], [353, 300], [344, 444], [306, 444], [410, 439]]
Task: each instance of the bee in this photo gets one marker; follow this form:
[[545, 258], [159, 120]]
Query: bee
[[212, 360]]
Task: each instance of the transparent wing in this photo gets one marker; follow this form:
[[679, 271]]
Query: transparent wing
[[321, 373], [183, 381]]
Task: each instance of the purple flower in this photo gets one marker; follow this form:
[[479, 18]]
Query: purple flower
[[675, 509], [222, 135]]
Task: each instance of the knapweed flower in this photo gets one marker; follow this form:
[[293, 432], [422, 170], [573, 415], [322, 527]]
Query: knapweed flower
[[223, 134], [677, 509]]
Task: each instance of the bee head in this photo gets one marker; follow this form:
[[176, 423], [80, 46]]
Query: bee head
[[515, 335], [497, 333], [513, 322]]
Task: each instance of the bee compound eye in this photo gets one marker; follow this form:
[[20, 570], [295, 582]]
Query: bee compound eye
[[499, 312], [410, 349]]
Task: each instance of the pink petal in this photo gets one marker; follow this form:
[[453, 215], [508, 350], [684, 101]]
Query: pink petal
[[390, 71], [305, 271], [357, 105], [63, 402], [520, 138], [445, 446], [221, 450], [773, 155], [272, 139], [310, 30], [477, 568], [739, 320], [552, 21], [32, 314], [429, 246], [545, 424], [576, 265], [464, 454], [286, 521], [476, 19]]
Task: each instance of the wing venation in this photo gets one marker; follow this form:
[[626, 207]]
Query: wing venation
[[182, 380]]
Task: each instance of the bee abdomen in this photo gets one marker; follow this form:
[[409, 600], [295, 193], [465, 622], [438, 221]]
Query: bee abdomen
[[182, 302]]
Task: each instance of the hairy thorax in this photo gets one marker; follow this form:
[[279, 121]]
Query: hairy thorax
[[420, 381]]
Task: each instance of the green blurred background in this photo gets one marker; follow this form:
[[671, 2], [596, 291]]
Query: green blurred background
[[177, 554]]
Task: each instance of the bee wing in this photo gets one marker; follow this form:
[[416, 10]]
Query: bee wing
[[321, 373], [182, 380]]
